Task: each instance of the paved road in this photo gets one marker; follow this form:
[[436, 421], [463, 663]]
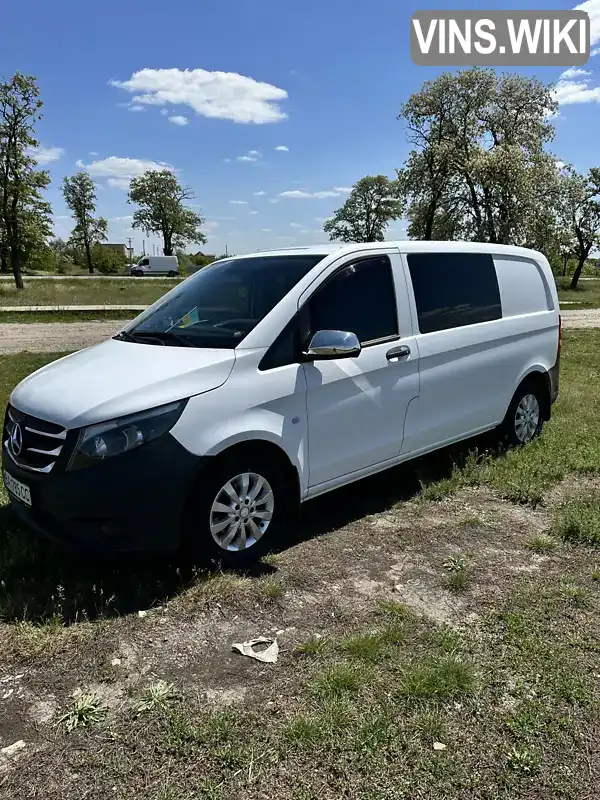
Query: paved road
[[54, 337]]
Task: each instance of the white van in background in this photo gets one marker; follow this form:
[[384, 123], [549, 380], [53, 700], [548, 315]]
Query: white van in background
[[265, 380], [156, 265]]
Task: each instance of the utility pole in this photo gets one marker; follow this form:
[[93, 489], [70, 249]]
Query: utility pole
[[226, 253], [143, 247], [130, 240]]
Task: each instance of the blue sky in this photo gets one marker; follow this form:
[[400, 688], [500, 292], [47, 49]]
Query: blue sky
[[325, 80]]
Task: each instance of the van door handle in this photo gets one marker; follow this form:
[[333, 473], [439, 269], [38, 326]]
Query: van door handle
[[398, 352]]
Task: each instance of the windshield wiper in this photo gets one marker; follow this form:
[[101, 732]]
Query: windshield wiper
[[161, 337]]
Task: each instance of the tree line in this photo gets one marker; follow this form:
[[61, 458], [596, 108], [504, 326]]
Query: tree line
[[26, 216], [480, 169]]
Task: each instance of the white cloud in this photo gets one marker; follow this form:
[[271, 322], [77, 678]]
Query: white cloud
[[45, 155], [227, 160], [238, 202], [164, 111], [574, 72], [281, 148], [286, 238], [573, 86], [251, 155], [210, 226], [304, 231], [593, 9], [62, 216], [254, 212], [259, 194], [560, 164], [322, 220], [126, 218], [218, 95], [296, 225], [595, 52], [342, 189], [265, 230], [302, 195], [178, 120], [273, 200], [119, 171], [136, 108], [92, 153]]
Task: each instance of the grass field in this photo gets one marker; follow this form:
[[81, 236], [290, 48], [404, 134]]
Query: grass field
[[84, 292], [439, 629], [587, 295]]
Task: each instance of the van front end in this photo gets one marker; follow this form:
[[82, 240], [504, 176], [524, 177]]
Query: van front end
[[102, 489]]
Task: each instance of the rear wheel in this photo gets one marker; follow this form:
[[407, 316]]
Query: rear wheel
[[171, 274], [524, 419], [240, 510]]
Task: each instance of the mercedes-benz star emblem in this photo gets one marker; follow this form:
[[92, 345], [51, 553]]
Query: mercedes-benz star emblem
[[16, 440]]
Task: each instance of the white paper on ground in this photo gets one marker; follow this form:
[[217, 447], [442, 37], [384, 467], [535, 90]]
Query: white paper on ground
[[268, 655]]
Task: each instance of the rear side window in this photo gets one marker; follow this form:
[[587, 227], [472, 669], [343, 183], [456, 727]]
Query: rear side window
[[454, 289], [523, 286], [360, 298]]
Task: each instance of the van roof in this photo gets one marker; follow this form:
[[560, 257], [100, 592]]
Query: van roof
[[404, 245]]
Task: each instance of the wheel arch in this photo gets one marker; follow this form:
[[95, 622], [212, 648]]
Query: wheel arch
[[540, 377], [266, 447]]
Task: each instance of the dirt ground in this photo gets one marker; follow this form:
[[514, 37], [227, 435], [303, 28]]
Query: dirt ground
[[54, 337], [352, 552], [40, 337]]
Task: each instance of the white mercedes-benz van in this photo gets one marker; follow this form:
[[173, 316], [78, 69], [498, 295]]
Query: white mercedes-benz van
[[265, 380], [156, 265]]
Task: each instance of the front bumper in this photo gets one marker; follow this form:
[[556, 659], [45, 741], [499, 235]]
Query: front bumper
[[134, 501]]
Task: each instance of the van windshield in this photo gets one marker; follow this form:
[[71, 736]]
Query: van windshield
[[220, 304]]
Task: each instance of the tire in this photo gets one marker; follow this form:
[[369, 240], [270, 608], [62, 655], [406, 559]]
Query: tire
[[207, 528], [524, 419], [171, 274], [138, 273]]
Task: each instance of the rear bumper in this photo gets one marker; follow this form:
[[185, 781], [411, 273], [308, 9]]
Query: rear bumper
[[131, 502]]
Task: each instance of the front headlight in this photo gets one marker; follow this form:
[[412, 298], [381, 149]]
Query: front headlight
[[117, 436]]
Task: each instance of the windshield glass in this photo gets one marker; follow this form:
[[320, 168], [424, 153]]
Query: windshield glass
[[222, 303]]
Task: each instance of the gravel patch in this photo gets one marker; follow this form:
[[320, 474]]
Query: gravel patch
[[54, 337], [585, 318]]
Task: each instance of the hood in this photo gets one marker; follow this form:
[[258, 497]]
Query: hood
[[115, 378]]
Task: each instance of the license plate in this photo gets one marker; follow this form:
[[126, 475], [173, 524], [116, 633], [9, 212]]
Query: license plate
[[17, 489]]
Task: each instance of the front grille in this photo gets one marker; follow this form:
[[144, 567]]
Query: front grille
[[32, 443]]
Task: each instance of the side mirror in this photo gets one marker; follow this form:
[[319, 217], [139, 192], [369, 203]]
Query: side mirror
[[333, 344]]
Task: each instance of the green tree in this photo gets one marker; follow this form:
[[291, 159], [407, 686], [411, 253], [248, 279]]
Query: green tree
[[80, 196], [161, 210], [23, 211], [479, 169], [373, 203], [107, 261], [63, 255], [579, 211]]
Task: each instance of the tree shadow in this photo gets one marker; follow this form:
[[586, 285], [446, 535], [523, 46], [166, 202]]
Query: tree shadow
[[40, 581]]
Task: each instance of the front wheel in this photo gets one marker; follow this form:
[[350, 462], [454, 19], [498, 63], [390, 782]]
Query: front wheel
[[524, 419], [240, 510]]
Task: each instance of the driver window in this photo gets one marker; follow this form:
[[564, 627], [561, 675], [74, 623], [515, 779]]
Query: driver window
[[360, 298]]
